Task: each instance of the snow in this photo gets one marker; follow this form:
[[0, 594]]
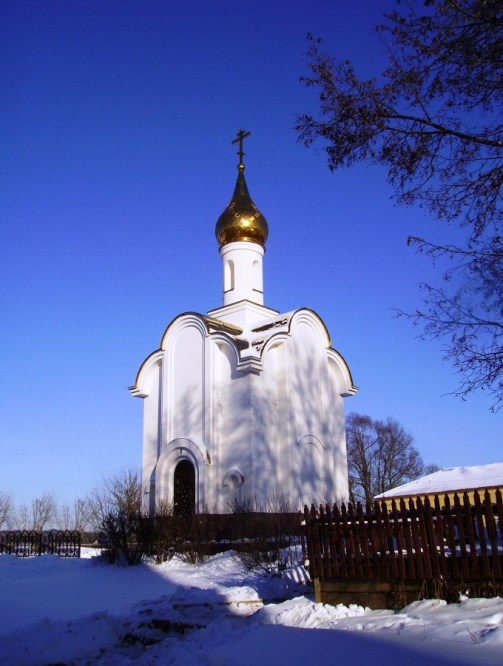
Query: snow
[[451, 479], [77, 612]]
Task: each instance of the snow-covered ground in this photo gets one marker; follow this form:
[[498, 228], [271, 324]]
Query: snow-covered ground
[[55, 611]]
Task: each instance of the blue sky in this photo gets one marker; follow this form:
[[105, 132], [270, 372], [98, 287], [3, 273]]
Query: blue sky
[[116, 161]]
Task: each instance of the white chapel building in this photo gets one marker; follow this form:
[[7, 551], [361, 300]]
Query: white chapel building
[[244, 403]]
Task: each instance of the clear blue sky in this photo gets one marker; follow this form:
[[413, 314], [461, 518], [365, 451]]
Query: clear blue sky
[[116, 122]]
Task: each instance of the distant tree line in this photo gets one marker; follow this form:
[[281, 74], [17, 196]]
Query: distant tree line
[[119, 491]]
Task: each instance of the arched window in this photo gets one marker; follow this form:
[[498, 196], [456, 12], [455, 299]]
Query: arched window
[[257, 277], [229, 276], [234, 480]]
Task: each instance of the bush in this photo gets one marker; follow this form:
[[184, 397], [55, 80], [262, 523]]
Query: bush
[[190, 537], [264, 540], [268, 539], [125, 537]]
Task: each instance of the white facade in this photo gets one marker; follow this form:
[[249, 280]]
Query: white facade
[[243, 403]]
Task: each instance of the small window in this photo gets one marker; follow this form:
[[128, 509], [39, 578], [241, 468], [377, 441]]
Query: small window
[[229, 276]]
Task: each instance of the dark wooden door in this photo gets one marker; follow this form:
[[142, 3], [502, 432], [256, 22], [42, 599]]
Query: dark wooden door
[[185, 489]]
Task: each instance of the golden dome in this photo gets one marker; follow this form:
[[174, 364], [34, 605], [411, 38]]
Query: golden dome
[[241, 220]]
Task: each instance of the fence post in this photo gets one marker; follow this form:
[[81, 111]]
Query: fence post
[[450, 538], [398, 538], [491, 531], [423, 537], [364, 539], [484, 559], [370, 514], [407, 529], [474, 569], [440, 536], [326, 521]]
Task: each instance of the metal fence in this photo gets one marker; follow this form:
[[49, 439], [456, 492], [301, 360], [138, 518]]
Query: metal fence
[[29, 543]]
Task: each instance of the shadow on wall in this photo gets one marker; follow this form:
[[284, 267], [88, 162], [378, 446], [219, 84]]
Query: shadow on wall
[[304, 454]]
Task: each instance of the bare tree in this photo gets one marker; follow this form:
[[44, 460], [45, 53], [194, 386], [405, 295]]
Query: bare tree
[[64, 517], [5, 508], [381, 456], [115, 514], [43, 510], [35, 516], [398, 460], [119, 492], [100, 506], [81, 514], [21, 517], [433, 121], [362, 451], [75, 516]]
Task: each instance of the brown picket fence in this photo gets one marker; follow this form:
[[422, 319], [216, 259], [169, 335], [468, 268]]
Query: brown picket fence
[[437, 539]]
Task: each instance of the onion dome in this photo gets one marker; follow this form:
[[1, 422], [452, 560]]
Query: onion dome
[[241, 220]]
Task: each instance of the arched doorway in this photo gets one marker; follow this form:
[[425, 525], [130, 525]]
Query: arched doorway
[[184, 497]]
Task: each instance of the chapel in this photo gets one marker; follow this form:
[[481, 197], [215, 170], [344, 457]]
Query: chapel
[[243, 404]]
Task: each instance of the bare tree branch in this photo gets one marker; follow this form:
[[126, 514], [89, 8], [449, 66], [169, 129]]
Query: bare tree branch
[[5, 508], [433, 120], [119, 493]]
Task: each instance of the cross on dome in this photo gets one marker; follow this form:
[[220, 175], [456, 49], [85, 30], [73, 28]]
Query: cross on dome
[[241, 136]]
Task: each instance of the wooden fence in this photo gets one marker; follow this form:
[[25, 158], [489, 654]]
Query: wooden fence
[[422, 540]]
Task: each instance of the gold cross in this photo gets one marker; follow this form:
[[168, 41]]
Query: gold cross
[[239, 138]]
